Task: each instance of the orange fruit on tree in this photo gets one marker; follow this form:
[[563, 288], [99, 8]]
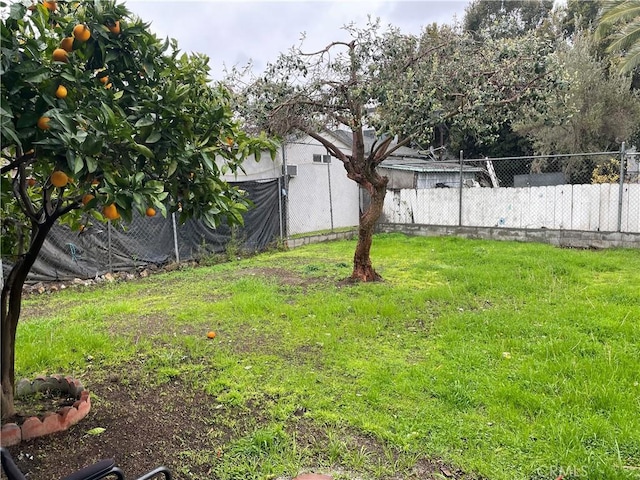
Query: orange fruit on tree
[[211, 334], [43, 123], [81, 32], [87, 197], [31, 181], [151, 212], [104, 79], [59, 179], [60, 55], [51, 5], [111, 212], [61, 91], [115, 28], [108, 86], [67, 44]]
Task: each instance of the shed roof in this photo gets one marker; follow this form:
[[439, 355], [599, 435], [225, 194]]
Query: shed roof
[[406, 158]]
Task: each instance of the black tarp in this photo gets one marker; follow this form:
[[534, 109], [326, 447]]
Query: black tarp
[[102, 248]]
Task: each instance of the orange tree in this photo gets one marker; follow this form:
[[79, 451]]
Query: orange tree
[[101, 118]]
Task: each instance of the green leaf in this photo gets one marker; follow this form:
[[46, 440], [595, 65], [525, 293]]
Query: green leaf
[[27, 119], [138, 177], [145, 121], [96, 431], [38, 76], [74, 162], [143, 150], [92, 164], [154, 136], [207, 161], [92, 145], [172, 168], [155, 186], [67, 76]]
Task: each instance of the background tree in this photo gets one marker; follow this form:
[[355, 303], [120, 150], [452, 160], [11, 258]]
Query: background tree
[[101, 118], [401, 86], [596, 112], [623, 17], [497, 19], [580, 16], [515, 16]]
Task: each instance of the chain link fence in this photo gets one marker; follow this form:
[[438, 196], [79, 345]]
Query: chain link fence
[[319, 196], [153, 241], [584, 192], [593, 192]]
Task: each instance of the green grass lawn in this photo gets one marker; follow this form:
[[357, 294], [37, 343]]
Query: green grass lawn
[[507, 360]]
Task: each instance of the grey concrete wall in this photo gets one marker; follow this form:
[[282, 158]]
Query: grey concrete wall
[[562, 238]]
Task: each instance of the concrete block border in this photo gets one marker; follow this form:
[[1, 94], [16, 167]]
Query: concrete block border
[[51, 422]]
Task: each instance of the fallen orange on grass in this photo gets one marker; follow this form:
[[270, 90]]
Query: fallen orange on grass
[[211, 334]]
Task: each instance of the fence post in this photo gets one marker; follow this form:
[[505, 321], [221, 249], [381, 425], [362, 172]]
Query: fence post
[[621, 184], [460, 192], [109, 245], [280, 212], [175, 237], [286, 189], [330, 199]]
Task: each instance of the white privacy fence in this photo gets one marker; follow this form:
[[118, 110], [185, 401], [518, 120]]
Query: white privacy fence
[[597, 192], [593, 207]]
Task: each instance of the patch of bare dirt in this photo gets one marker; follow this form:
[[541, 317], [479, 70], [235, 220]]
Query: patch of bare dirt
[[145, 427]]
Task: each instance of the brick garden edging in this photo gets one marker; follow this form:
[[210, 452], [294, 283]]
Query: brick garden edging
[[51, 422]]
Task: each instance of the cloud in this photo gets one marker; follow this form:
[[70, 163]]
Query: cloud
[[232, 32]]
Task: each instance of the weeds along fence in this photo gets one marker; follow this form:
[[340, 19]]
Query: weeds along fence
[[594, 192]]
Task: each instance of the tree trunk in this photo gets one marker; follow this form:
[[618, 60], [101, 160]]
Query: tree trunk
[[362, 267], [11, 305]]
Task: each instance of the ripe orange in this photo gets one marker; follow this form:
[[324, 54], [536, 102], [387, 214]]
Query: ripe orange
[[86, 198], [108, 86], [59, 179], [104, 79], [60, 55], [150, 212], [43, 123], [61, 92], [31, 181], [211, 334], [67, 44], [81, 32], [51, 5], [115, 28], [111, 212]]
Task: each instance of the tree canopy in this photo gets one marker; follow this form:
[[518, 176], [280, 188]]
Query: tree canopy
[[623, 17], [101, 118]]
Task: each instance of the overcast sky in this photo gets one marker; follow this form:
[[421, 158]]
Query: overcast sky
[[234, 32]]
